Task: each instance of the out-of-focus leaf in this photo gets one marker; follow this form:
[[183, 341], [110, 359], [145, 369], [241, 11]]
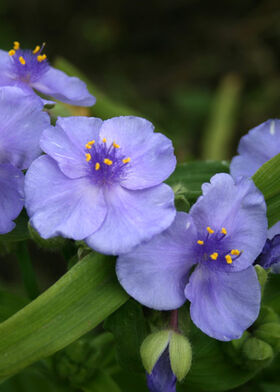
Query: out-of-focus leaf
[[79, 301], [190, 176], [10, 304], [101, 382], [267, 179], [129, 328]]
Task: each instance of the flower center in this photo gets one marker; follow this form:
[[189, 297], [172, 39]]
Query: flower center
[[107, 164], [214, 247], [28, 65]]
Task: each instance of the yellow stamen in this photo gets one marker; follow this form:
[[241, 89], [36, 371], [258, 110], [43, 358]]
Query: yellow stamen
[[200, 242], [224, 231], [97, 166], [104, 140], [116, 145], [108, 161], [37, 49], [126, 160], [214, 256], [21, 60], [235, 252], [228, 259], [16, 45], [12, 52], [88, 156], [88, 146], [210, 231], [41, 57], [91, 142]]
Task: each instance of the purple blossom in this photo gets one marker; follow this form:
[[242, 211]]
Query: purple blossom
[[222, 236], [162, 378], [102, 182], [29, 69]]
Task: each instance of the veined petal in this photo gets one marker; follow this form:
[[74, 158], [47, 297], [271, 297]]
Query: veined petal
[[22, 122], [223, 305], [58, 85], [11, 196], [155, 272], [133, 217], [58, 205]]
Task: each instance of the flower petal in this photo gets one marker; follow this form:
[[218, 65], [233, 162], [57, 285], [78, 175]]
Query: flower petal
[[223, 305], [133, 216], [22, 122], [162, 378], [57, 205], [274, 230], [241, 209], [11, 196], [155, 272], [5, 64], [258, 146], [64, 88]]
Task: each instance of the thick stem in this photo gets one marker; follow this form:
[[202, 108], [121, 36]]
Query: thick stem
[[174, 320]]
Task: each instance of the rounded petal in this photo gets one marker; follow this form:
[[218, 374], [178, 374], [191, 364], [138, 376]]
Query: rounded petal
[[223, 305], [11, 196], [58, 205], [22, 122], [5, 64], [258, 146], [238, 207], [155, 273], [133, 217], [64, 88], [274, 230]]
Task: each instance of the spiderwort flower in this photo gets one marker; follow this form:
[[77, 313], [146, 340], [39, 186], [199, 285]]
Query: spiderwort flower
[[162, 378], [102, 182], [222, 235], [29, 69], [270, 256]]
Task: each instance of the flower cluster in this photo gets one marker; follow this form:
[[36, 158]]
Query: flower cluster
[[103, 182]]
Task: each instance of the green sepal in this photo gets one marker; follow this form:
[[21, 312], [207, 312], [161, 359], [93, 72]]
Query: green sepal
[[262, 276], [270, 333], [180, 354], [152, 348], [257, 352]]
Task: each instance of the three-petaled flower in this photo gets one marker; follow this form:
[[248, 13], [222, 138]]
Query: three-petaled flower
[[102, 182], [222, 236]]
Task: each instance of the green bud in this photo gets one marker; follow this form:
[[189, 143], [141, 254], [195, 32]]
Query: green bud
[[181, 201], [267, 315], [152, 348], [54, 243], [262, 276], [180, 354], [257, 352], [270, 333]]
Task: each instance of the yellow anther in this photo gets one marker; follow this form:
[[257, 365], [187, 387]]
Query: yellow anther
[[224, 231], [200, 242], [41, 57], [88, 146], [228, 259], [91, 142], [126, 160], [108, 161], [116, 145], [104, 140], [214, 256], [16, 45], [88, 156], [97, 166], [37, 49], [12, 52], [210, 231], [235, 252], [21, 60]]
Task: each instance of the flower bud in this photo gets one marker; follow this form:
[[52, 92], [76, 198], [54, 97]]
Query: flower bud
[[262, 276], [257, 352], [152, 348], [270, 333], [180, 353]]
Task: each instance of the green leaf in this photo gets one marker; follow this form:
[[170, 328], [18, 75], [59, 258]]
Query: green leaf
[[20, 232], [190, 176], [267, 179], [101, 382], [129, 328], [78, 302]]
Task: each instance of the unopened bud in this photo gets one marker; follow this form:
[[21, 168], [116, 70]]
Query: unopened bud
[[262, 276], [257, 352], [180, 354], [270, 333], [152, 348]]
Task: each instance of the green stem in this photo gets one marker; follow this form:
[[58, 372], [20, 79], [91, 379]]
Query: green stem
[[27, 271]]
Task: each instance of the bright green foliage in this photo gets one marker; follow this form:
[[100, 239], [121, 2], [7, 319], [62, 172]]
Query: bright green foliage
[[180, 353]]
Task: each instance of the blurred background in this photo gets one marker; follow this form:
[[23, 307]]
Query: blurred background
[[204, 72]]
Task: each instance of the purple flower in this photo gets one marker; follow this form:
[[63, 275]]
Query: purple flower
[[162, 378], [22, 122], [270, 256], [222, 235], [102, 182], [29, 69]]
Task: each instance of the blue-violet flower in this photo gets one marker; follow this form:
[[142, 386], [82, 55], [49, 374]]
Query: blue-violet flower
[[29, 69], [162, 379], [221, 236], [102, 182]]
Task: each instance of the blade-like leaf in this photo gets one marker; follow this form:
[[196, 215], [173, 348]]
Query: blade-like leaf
[[79, 301], [267, 179]]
